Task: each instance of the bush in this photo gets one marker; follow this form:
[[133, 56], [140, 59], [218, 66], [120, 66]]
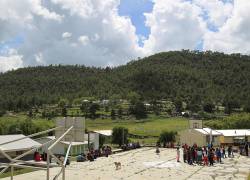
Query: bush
[[2, 112], [120, 135], [167, 137]]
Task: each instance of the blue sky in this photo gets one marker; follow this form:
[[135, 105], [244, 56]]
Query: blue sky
[[135, 9], [15, 42]]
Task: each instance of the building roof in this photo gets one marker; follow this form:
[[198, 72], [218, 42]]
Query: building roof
[[74, 143], [207, 131], [104, 132], [235, 132], [20, 145], [64, 142]]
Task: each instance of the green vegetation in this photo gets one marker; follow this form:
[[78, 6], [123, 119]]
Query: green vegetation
[[167, 137], [234, 121], [147, 96], [196, 78], [151, 126], [22, 124], [16, 172], [120, 135]]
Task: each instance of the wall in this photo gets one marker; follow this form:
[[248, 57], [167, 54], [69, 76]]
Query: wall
[[76, 134], [190, 136]]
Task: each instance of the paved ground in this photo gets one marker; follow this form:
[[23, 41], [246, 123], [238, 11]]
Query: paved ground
[[144, 164]]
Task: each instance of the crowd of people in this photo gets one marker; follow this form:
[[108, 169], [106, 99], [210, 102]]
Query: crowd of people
[[130, 146], [94, 154], [206, 155]]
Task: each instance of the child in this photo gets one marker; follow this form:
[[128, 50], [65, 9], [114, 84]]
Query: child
[[157, 150], [178, 154], [199, 156]]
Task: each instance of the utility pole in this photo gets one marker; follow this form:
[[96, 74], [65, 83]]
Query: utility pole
[[122, 136]]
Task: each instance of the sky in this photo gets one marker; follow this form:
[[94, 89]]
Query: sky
[[113, 32]]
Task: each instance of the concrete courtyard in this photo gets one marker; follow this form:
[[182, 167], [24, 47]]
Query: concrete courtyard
[[145, 164]]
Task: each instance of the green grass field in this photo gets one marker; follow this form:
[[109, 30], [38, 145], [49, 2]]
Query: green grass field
[[16, 172], [152, 126]]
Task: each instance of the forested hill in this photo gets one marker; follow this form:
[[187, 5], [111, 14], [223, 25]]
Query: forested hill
[[194, 77]]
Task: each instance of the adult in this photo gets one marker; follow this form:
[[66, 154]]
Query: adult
[[184, 154], [218, 154], [211, 157], [246, 149]]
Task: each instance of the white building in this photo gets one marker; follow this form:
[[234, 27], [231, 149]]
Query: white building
[[16, 148], [234, 136], [77, 136]]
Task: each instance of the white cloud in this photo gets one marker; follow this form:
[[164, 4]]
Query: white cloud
[[92, 32], [174, 25], [234, 35], [39, 58], [114, 42], [24, 11], [84, 40], [216, 11], [10, 61], [66, 35]]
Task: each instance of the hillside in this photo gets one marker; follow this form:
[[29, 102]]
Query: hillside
[[193, 77]]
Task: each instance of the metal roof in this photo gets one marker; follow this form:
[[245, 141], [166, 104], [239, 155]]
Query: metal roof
[[64, 142], [235, 132], [74, 143], [207, 131], [20, 145], [104, 132]]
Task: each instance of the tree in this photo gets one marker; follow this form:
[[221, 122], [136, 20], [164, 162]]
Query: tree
[[101, 140], [133, 97], [62, 103], [194, 107], [178, 105], [2, 112], [112, 114], [208, 107], [167, 137], [30, 113], [120, 135], [139, 110], [64, 112], [120, 112], [156, 107], [85, 107], [27, 127], [228, 108], [247, 107], [1, 130], [92, 110]]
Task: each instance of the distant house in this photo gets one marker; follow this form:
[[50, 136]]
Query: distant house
[[234, 136], [16, 148], [219, 137]]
